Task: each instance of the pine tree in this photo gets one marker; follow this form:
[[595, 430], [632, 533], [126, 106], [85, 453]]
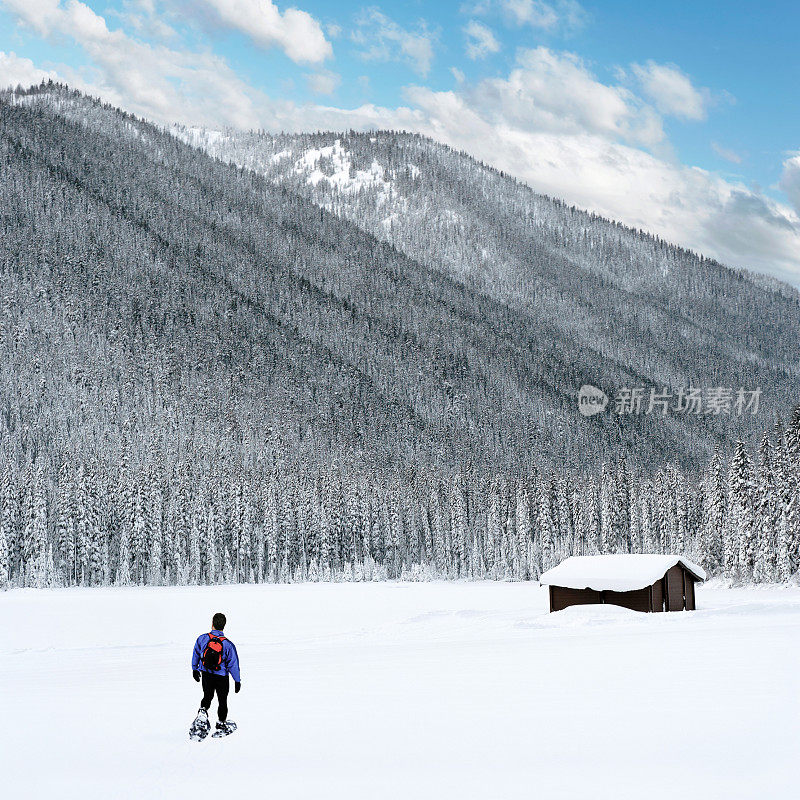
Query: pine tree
[[154, 577], [740, 489], [635, 517], [64, 524], [124, 566], [766, 520], [606, 510], [458, 526], [580, 522], [783, 565], [493, 533], [9, 518], [43, 564], [714, 513], [439, 544], [155, 569], [793, 441], [620, 538], [94, 532], [252, 544], [593, 523], [545, 525], [272, 531], [5, 572], [210, 538], [521, 534], [322, 530], [194, 551]]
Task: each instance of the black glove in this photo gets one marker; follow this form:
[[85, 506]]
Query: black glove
[[196, 675], [236, 687]]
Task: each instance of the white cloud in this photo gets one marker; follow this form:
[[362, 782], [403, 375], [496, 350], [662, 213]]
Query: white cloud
[[143, 17], [790, 179], [325, 82], [296, 32], [726, 153], [671, 90], [150, 80], [16, 71], [565, 14], [557, 92], [531, 12], [481, 42], [382, 39]]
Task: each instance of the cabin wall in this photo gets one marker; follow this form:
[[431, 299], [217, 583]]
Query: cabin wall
[[561, 597], [657, 596], [674, 592], [638, 600]]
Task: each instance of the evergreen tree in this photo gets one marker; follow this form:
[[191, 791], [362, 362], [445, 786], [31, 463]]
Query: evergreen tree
[[458, 526], [545, 525], [783, 565], [606, 510], [210, 539], [439, 543], [195, 566], [44, 570], [272, 530], [715, 510], [124, 565], [5, 572], [9, 518], [493, 533], [766, 504], [739, 562], [64, 524]]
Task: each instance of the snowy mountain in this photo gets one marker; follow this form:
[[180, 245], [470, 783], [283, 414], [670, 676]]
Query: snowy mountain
[[621, 307], [361, 363], [374, 298]]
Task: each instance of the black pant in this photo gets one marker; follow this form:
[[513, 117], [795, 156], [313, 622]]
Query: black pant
[[219, 684]]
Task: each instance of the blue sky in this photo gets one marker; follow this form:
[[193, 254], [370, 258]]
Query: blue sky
[[681, 118]]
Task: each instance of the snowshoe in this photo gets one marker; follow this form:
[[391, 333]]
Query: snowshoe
[[200, 727], [224, 729]]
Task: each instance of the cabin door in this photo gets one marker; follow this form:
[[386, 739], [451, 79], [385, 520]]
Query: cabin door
[[673, 590]]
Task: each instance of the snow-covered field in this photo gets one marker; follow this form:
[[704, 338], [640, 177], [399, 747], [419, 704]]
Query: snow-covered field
[[461, 690]]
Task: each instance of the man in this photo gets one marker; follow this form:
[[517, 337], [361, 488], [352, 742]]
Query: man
[[213, 660]]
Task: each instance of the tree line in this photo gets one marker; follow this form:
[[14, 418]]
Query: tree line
[[89, 526]]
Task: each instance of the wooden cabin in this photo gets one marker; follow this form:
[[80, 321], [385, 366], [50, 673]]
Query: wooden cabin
[[638, 582]]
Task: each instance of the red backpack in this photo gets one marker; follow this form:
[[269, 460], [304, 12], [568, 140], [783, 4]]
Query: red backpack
[[212, 655]]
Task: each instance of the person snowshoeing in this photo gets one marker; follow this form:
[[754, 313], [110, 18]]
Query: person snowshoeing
[[215, 658]]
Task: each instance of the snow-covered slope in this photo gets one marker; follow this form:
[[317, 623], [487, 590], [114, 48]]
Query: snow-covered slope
[[461, 690], [669, 316], [386, 299]]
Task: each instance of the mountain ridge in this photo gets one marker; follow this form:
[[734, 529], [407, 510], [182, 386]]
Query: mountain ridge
[[481, 372]]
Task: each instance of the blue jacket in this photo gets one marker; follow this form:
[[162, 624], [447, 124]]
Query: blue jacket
[[230, 658]]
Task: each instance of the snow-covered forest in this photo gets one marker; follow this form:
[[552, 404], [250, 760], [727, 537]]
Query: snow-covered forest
[[210, 374], [186, 525]]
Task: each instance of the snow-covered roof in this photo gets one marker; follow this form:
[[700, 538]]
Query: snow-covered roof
[[616, 573]]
